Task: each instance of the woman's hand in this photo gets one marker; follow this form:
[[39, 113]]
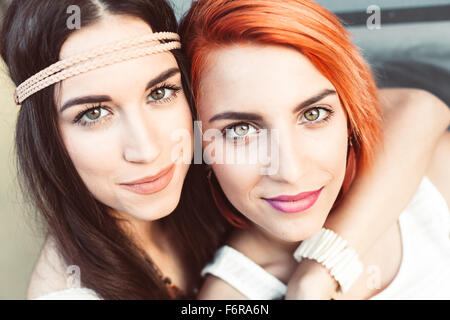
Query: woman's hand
[[311, 281]]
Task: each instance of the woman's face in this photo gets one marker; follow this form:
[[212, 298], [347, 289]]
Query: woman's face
[[247, 88], [118, 122]]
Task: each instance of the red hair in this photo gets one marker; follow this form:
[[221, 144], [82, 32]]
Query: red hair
[[313, 31]]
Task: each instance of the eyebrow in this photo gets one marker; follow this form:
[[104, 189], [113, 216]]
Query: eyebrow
[[236, 116], [103, 98], [256, 117], [162, 77], [84, 100], [321, 95]]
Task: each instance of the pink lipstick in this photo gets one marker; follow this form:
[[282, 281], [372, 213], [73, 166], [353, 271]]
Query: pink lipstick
[[294, 204]]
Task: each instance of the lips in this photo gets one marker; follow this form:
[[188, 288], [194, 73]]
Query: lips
[[151, 184], [296, 203]]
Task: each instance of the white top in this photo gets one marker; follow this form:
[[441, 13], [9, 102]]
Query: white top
[[245, 275], [424, 271], [71, 294]]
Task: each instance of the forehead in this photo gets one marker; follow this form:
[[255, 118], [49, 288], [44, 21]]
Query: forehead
[[108, 29], [118, 80], [260, 74]]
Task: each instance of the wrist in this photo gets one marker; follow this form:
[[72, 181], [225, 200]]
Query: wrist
[[331, 251], [317, 275], [311, 280]]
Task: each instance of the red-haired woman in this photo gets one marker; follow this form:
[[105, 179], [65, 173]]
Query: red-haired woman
[[288, 69]]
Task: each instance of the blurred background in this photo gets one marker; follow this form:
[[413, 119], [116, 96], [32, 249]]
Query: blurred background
[[407, 46], [20, 239]]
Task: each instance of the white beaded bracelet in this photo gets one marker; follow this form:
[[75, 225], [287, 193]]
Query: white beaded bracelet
[[329, 249]]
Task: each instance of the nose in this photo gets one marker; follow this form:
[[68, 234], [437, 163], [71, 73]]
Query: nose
[[141, 143], [293, 159]]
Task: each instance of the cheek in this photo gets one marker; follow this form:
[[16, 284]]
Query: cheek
[[328, 145], [96, 157], [174, 129], [330, 151], [338, 151], [237, 182]]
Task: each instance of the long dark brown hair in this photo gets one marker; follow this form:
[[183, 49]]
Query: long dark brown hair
[[86, 234]]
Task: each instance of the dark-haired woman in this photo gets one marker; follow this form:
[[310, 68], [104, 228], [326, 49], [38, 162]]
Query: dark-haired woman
[[102, 141]]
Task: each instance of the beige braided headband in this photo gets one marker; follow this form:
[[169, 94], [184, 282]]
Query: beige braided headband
[[96, 58]]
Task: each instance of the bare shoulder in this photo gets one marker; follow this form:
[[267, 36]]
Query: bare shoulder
[[439, 169], [49, 273]]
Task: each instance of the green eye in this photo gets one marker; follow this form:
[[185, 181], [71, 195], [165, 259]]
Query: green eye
[[312, 114], [242, 129], [158, 94], [163, 94], [93, 114], [316, 115]]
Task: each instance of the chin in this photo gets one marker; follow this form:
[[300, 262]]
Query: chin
[[304, 229], [296, 236], [154, 214], [154, 210], [165, 209]]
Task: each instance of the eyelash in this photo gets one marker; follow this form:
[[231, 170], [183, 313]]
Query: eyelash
[[80, 115], [238, 139], [176, 89], [316, 122], [78, 118]]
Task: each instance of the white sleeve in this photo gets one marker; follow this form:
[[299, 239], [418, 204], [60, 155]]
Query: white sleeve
[[245, 275], [71, 294]]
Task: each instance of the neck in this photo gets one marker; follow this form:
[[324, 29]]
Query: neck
[[269, 240], [151, 237], [147, 235]]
